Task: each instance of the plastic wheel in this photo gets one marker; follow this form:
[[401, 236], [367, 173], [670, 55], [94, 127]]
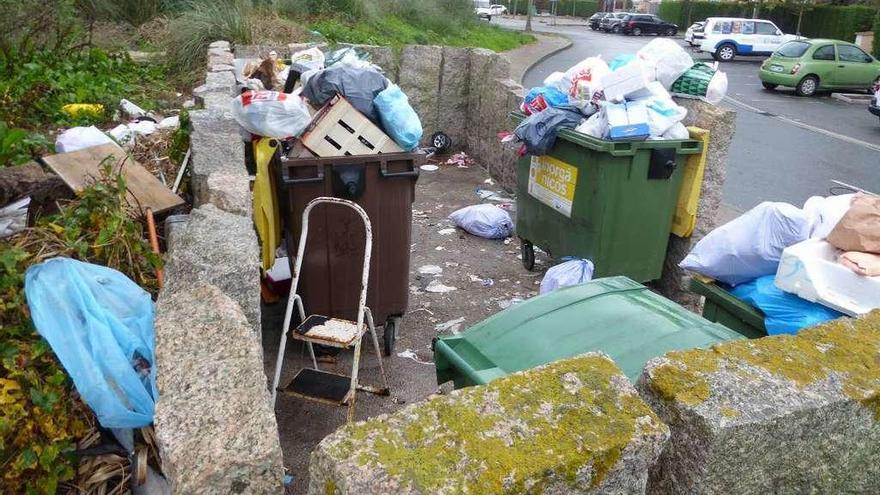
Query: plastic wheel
[[390, 334], [441, 142], [769, 86], [807, 86], [528, 254]]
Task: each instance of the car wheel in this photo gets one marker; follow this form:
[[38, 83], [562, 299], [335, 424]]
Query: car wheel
[[725, 52], [637, 32], [671, 32], [807, 86], [769, 86], [615, 29]]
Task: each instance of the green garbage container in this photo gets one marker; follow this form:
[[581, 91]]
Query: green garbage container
[[615, 315], [725, 308], [609, 201]]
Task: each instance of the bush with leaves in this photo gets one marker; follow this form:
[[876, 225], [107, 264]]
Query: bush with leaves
[[17, 146], [41, 416]]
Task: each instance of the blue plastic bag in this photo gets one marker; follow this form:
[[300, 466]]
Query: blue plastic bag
[[100, 325], [572, 271], [783, 312], [487, 221], [541, 98], [621, 60], [398, 118]]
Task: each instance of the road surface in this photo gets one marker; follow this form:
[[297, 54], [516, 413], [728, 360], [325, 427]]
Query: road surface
[[786, 148]]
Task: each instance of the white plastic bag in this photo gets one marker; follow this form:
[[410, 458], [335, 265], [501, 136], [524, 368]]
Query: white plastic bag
[[750, 246], [596, 125], [585, 80], [677, 131], [667, 58], [271, 114], [123, 135], [663, 113], [824, 213], [571, 272], [312, 58], [487, 221], [77, 138], [558, 80]]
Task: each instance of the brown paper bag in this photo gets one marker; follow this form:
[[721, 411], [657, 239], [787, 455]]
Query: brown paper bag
[[865, 264], [859, 229]]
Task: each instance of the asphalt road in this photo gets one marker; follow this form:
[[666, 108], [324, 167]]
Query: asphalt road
[[786, 148]]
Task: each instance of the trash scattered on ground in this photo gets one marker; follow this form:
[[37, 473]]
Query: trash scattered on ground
[[439, 248], [430, 270], [108, 349], [437, 287], [13, 217], [77, 138], [429, 168], [447, 231], [489, 181], [572, 271], [488, 195], [509, 302], [461, 160], [485, 282], [83, 109], [411, 354], [452, 326], [484, 220]]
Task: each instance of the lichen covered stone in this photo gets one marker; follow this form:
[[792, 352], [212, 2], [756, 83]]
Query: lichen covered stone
[[783, 414], [574, 426]]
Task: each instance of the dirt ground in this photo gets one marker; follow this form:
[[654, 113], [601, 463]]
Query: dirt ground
[[487, 276]]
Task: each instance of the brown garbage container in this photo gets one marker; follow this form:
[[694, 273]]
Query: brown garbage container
[[384, 186]]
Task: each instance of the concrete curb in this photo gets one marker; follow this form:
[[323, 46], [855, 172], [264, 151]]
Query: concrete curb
[[519, 77]]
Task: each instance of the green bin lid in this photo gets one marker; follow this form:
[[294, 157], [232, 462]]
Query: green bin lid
[[614, 315]]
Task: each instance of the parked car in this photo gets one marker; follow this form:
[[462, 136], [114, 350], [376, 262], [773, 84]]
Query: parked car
[[639, 24], [497, 9], [810, 65], [694, 34], [727, 37], [596, 18], [482, 9], [612, 22]]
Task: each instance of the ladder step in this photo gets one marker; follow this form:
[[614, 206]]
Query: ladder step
[[319, 386]]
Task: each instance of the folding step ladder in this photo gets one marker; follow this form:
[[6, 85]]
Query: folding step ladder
[[314, 384]]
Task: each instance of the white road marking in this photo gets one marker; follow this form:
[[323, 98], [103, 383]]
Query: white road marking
[[808, 127]]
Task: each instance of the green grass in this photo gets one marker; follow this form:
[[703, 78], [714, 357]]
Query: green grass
[[396, 32]]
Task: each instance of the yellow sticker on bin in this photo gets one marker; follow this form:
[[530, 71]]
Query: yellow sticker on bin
[[552, 182], [685, 218]]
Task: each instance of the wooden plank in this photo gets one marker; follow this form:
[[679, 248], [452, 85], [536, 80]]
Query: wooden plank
[[348, 129], [80, 168]]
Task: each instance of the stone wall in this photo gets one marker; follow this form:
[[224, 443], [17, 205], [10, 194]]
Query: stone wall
[[214, 420], [575, 426], [783, 414]]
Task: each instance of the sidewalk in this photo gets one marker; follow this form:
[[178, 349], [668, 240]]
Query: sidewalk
[[522, 58]]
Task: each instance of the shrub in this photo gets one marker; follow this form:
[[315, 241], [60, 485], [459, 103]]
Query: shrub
[[203, 22], [877, 36]]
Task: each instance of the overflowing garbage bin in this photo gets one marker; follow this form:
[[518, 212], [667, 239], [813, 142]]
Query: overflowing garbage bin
[[384, 185], [723, 307], [614, 315], [608, 201]]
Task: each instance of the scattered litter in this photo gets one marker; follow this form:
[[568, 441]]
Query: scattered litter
[[484, 220], [130, 110], [430, 270], [489, 181], [13, 217], [411, 354], [485, 282], [452, 326], [397, 400], [508, 240], [169, 123], [77, 138], [83, 109], [429, 168], [437, 287], [439, 248], [461, 160], [509, 302], [450, 263], [287, 480], [426, 310], [572, 271], [486, 194], [446, 231]]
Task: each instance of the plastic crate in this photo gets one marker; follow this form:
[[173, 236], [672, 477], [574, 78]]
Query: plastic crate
[[340, 130]]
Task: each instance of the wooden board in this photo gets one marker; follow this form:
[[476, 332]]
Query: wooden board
[[80, 168]]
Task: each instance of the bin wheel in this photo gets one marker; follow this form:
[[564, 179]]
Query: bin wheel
[[528, 254], [441, 141], [390, 335]]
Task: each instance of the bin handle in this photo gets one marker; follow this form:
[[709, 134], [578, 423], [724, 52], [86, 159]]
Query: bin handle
[[383, 171], [305, 180]]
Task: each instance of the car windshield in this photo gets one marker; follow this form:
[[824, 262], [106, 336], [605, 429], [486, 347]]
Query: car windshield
[[792, 49]]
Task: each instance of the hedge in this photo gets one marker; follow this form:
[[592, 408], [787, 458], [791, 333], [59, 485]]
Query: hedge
[[824, 21], [877, 36]]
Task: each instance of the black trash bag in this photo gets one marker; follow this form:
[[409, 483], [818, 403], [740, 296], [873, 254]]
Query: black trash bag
[[358, 85], [538, 131]]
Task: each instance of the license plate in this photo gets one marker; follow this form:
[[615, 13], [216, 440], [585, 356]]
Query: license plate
[[776, 68]]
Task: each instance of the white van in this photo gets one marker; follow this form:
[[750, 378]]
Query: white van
[[727, 37]]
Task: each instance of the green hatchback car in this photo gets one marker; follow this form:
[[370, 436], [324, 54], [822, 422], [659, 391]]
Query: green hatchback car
[[809, 65]]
